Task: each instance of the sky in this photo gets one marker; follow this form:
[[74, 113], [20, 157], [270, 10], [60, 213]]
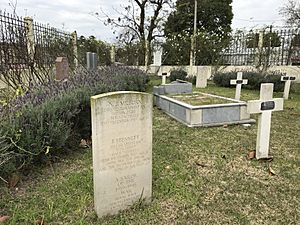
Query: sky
[[79, 15]]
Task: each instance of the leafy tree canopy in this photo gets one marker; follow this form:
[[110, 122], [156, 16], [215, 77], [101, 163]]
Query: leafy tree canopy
[[213, 27]]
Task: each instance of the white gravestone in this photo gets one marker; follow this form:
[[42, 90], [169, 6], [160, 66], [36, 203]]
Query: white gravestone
[[157, 55], [238, 82], [287, 85], [264, 106], [201, 81], [164, 77], [122, 150]]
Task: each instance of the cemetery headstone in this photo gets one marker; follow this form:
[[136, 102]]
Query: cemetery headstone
[[157, 55], [62, 68], [201, 81], [238, 82], [264, 107], [122, 150], [288, 80], [91, 60]]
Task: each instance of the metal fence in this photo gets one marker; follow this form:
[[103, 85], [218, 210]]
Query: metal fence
[[28, 50], [267, 47]]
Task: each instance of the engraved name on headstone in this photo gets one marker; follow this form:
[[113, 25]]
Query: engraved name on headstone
[[265, 106], [122, 150], [238, 82]]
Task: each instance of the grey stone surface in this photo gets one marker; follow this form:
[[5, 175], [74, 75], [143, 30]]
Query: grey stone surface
[[178, 111], [91, 61], [220, 115], [176, 87], [160, 90], [206, 115]]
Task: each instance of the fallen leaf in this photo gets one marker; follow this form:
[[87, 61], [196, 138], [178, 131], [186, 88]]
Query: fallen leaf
[[4, 219], [251, 155], [200, 164], [41, 222], [271, 171], [13, 180]]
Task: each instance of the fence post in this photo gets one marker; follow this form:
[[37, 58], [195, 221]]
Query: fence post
[[75, 48], [113, 54], [260, 48], [29, 37]]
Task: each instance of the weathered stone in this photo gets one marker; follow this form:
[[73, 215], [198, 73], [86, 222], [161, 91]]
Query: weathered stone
[[62, 68], [122, 150]]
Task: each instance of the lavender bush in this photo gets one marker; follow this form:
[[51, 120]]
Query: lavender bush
[[41, 121]]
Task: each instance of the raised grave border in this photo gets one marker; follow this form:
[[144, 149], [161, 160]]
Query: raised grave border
[[204, 115]]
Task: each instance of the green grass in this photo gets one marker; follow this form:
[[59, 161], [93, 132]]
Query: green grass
[[200, 176], [197, 99]]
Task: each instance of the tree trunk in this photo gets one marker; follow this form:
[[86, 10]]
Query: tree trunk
[[147, 55]]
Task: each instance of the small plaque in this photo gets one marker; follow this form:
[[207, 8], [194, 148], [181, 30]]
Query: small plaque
[[164, 74], [267, 105], [239, 81], [285, 78], [292, 78]]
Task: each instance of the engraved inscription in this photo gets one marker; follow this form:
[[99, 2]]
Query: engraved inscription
[[124, 153], [122, 150]]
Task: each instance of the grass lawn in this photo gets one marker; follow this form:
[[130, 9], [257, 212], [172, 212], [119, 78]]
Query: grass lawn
[[200, 176], [197, 99]]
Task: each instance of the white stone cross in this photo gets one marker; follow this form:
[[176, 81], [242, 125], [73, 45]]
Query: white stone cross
[[287, 85], [163, 78], [238, 82], [264, 106]]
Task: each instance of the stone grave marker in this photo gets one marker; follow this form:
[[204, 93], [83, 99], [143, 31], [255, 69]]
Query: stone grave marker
[[91, 61], [201, 80], [288, 80], [238, 82], [157, 55], [264, 106], [122, 150], [62, 68], [164, 77]]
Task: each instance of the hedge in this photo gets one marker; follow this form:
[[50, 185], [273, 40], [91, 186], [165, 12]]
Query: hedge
[[43, 121], [254, 79]]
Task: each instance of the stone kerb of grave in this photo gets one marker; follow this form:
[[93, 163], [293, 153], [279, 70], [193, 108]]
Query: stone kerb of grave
[[175, 87], [122, 150], [264, 107]]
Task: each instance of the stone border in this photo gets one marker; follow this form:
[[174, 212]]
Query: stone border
[[203, 115]]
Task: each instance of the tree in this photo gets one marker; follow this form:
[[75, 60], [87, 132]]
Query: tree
[[292, 12], [213, 27], [91, 44], [142, 20]]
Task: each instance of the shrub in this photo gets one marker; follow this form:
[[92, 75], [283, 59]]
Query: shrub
[[254, 79], [42, 121], [178, 74]]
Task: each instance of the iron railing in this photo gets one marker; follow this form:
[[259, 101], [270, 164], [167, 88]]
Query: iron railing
[[267, 47]]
